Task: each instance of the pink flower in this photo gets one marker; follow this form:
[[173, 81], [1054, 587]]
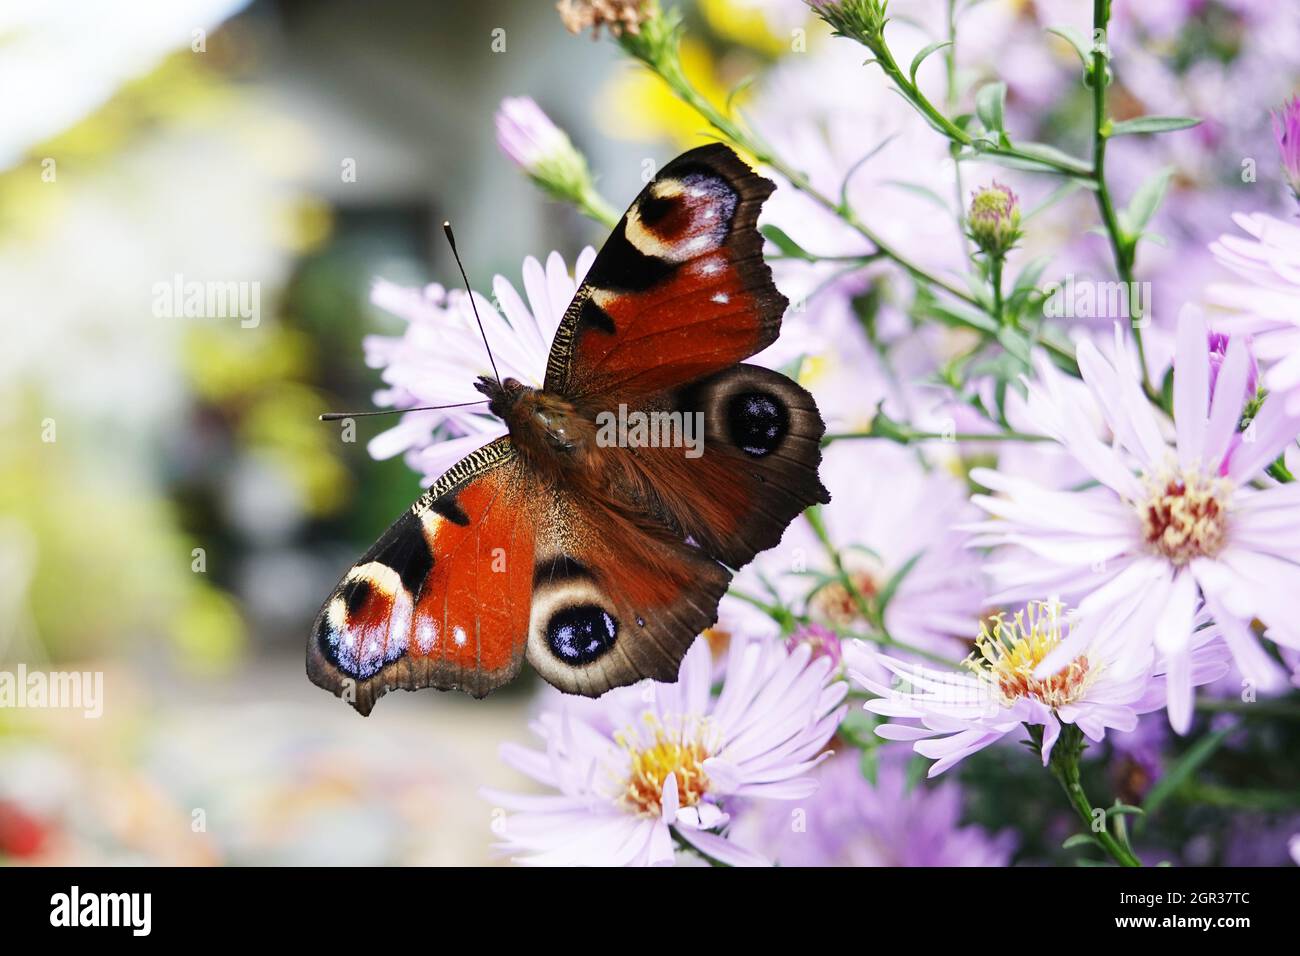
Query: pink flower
[[1010, 682], [527, 135], [1168, 529], [649, 764]]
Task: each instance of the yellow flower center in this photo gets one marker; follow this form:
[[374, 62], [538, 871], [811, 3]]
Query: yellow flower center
[[1185, 515], [655, 754], [1007, 653]]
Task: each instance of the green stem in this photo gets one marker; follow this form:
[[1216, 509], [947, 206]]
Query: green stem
[[950, 104], [814, 518], [670, 72], [1122, 248], [995, 281], [937, 119], [1064, 765], [594, 206]]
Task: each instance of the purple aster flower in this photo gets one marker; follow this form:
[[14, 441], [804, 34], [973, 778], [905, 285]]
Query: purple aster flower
[[1100, 686], [1169, 529], [679, 758], [850, 821], [1286, 130]]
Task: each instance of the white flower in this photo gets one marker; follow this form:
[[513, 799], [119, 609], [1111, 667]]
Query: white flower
[[1101, 686], [1167, 528], [437, 359], [649, 763], [1270, 259]]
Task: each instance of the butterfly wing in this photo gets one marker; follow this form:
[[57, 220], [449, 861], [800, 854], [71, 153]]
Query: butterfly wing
[[756, 468], [492, 563], [443, 598], [676, 298], [617, 596], [679, 290]]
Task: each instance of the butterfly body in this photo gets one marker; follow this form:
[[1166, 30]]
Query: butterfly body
[[600, 552]]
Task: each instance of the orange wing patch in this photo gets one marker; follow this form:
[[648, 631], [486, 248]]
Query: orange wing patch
[[442, 599]]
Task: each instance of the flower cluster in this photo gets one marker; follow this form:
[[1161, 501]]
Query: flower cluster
[[1061, 455]]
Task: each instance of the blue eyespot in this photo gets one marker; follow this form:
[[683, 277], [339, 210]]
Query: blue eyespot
[[580, 634]]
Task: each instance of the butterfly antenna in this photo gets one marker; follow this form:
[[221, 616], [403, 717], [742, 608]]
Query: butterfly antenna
[[451, 239], [339, 416]]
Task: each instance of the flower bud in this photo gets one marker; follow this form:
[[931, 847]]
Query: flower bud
[[823, 641], [993, 221], [542, 149], [1286, 129]]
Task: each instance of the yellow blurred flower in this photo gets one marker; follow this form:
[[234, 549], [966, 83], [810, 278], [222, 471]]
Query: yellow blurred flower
[[638, 105], [745, 24]]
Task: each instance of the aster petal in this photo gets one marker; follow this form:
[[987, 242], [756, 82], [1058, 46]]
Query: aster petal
[[1178, 683], [721, 849], [1051, 732], [1174, 627], [1225, 412], [1255, 665], [1271, 431], [1191, 386]]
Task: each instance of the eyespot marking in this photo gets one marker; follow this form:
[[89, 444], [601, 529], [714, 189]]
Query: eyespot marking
[[757, 422], [579, 634]]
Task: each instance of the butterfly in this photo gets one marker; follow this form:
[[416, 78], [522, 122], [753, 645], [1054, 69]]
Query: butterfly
[[600, 560]]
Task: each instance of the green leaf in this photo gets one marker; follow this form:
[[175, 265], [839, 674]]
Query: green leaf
[[745, 83], [891, 586], [1125, 808], [1076, 39], [1184, 770], [923, 191], [990, 106], [1030, 274], [869, 763], [1015, 343], [1069, 187], [782, 241], [1153, 124], [1043, 151], [920, 57], [1145, 202], [1080, 839]]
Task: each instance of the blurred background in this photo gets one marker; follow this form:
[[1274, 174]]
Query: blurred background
[[306, 147], [171, 511]]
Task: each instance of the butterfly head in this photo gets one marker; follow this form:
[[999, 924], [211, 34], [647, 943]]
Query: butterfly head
[[502, 395], [539, 421]]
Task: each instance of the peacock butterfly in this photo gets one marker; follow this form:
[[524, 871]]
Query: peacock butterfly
[[599, 562]]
